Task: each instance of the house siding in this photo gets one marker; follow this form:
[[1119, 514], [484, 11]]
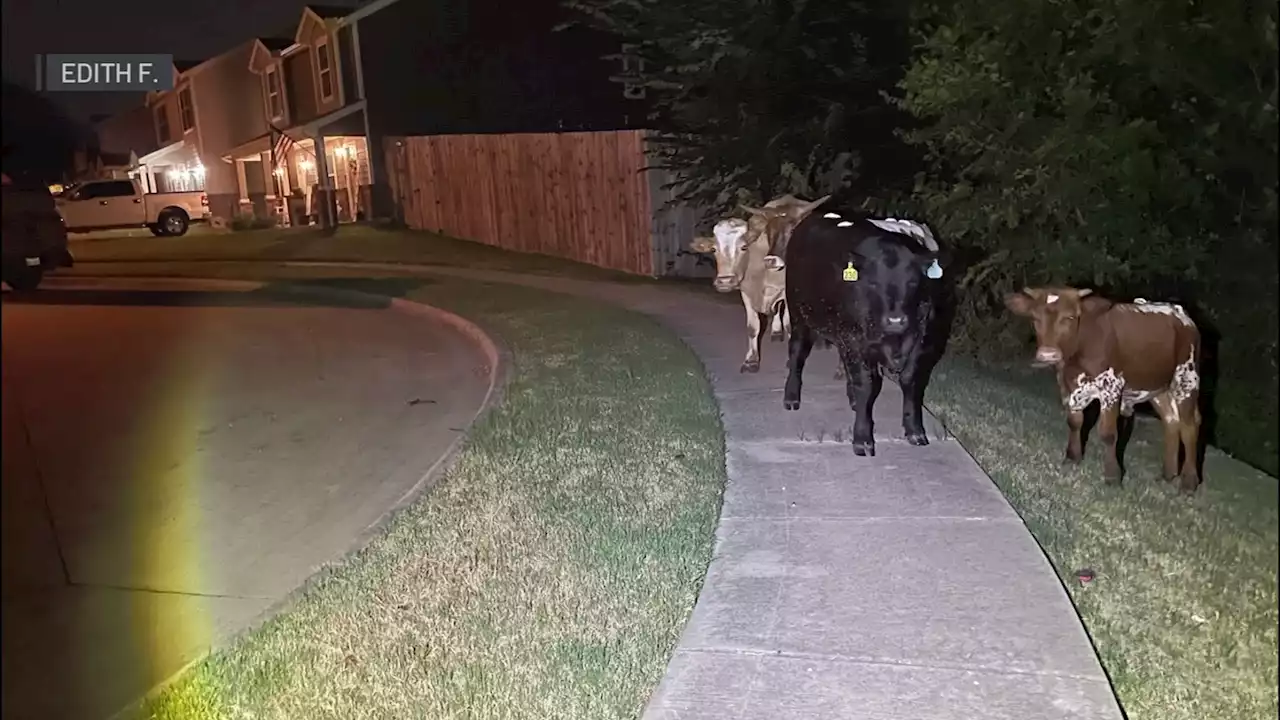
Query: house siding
[[229, 112], [314, 32], [347, 61], [168, 106], [300, 89]]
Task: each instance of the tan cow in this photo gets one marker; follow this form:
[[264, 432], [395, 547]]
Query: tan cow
[[740, 266], [740, 247]]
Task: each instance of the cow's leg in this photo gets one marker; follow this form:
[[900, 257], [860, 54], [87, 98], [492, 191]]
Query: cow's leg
[[1189, 428], [1075, 448], [840, 369], [1109, 434], [1167, 408], [862, 384], [798, 349], [912, 380], [752, 362], [775, 327], [786, 321]]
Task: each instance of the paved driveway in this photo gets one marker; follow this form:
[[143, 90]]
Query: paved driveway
[[176, 462]]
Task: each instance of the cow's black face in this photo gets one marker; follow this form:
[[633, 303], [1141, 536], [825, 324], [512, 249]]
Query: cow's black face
[[891, 295]]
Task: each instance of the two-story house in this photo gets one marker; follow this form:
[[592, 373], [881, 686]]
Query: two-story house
[[212, 108], [310, 101]]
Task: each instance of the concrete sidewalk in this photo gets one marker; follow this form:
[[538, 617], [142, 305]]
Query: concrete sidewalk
[[899, 587]]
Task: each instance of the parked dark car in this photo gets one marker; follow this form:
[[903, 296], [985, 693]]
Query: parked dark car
[[34, 238]]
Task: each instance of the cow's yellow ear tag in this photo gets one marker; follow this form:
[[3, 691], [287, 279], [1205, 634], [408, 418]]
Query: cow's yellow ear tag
[[850, 273]]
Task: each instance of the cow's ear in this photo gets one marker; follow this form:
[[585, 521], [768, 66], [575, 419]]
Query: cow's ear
[[1019, 303], [1093, 304], [703, 245], [773, 262]]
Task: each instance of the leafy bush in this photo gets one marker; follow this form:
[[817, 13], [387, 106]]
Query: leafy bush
[[249, 221]]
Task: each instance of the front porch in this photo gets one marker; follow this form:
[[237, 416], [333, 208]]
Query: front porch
[[280, 175], [173, 168]]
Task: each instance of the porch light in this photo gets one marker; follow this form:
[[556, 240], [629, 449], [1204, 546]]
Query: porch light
[[340, 151], [304, 165], [278, 171]]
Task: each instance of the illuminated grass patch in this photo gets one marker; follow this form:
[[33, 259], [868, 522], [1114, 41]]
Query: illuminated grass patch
[[547, 575]]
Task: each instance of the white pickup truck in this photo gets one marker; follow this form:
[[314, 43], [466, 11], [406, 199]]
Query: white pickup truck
[[103, 204]]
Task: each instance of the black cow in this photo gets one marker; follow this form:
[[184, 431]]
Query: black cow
[[871, 288]]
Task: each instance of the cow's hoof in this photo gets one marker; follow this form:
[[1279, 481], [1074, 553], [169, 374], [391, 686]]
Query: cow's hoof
[[791, 404], [1068, 459], [1188, 486], [917, 439], [864, 449], [750, 367], [1112, 480]]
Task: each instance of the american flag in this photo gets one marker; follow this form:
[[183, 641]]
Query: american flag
[[283, 143]]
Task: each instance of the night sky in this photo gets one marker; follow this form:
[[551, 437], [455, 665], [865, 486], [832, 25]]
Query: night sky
[[189, 30]]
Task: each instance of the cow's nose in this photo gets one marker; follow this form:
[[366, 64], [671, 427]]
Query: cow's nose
[[723, 283], [895, 323], [1048, 355]]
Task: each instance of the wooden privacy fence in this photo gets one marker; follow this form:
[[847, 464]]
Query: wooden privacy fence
[[580, 195]]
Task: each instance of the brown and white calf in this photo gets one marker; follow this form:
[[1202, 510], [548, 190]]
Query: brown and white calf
[[740, 248], [1120, 354]]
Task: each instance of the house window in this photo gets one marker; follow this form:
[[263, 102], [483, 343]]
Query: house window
[[162, 125], [275, 104], [632, 72], [186, 111], [324, 69]]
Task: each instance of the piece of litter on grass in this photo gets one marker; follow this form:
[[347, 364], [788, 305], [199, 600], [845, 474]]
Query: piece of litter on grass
[[1199, 619], [1085, 576], [419, 401]]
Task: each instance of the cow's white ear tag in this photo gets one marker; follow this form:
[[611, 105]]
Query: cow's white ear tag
[[933, 271], [850, 273]]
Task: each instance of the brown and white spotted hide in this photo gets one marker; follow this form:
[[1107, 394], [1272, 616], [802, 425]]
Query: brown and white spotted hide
[[1120, 355], [740, 265]]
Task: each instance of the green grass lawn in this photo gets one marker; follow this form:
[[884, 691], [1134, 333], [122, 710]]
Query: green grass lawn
[[1184, 609], [547, 575]]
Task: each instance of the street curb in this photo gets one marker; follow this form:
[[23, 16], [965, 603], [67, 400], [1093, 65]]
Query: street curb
[[498, 361]]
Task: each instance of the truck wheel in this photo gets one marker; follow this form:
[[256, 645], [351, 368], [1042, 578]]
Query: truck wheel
[[174, 222], [23, 279], [155, 229]]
